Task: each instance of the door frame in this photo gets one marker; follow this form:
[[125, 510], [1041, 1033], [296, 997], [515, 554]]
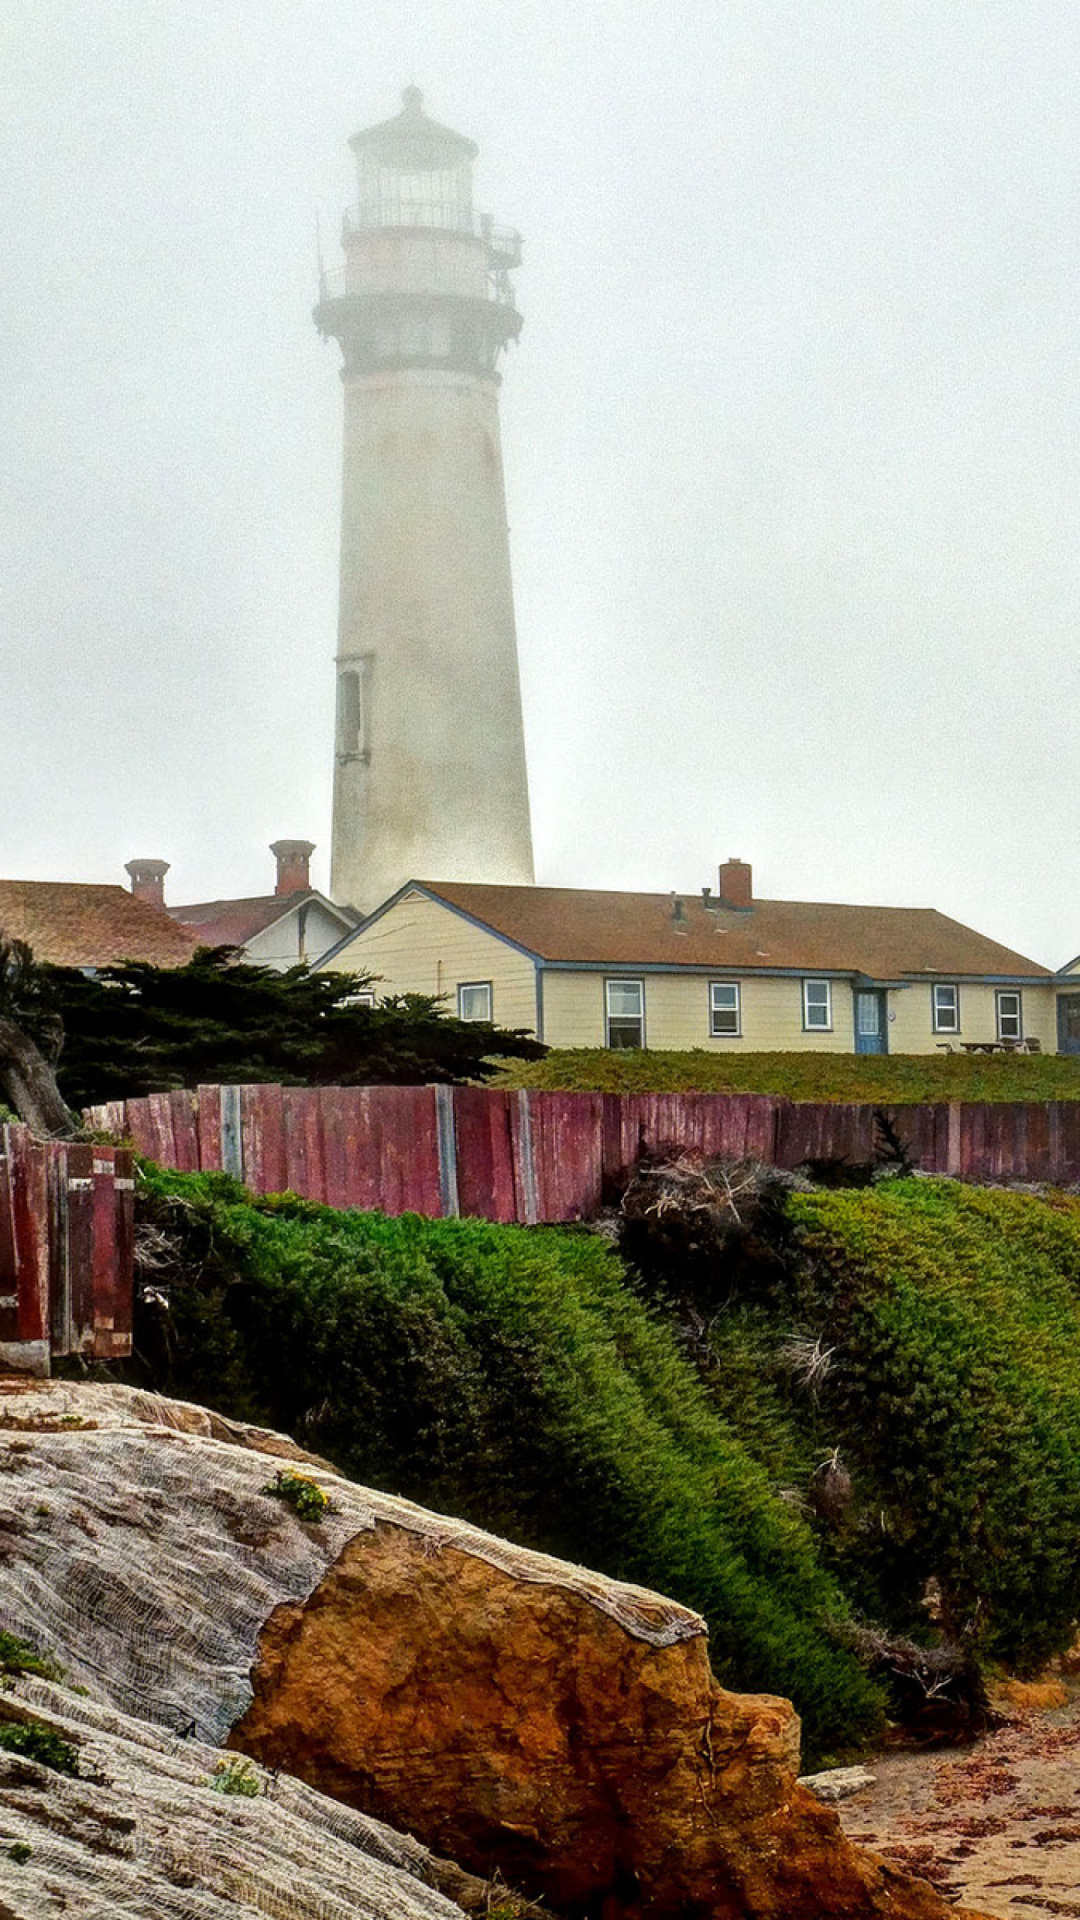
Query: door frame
[[881, 996]]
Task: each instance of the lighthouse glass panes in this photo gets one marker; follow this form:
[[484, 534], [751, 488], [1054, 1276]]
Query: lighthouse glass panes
[[401, 196]]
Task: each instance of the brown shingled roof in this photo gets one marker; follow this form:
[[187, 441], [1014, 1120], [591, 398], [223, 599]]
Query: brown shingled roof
[[638, 929], [232, 923], [70, 924]]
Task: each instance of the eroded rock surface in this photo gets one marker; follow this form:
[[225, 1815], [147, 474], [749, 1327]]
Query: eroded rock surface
[[508, 1723], [141, 1832], [508, 1709]]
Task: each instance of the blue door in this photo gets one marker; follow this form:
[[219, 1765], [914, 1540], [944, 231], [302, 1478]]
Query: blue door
[[871, 1025], [1068, 1009]]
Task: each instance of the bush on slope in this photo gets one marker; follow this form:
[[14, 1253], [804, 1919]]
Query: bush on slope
[[509, 1376], [953, 1390]]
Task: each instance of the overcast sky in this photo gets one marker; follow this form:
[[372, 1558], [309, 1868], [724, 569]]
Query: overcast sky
[[791, 434]]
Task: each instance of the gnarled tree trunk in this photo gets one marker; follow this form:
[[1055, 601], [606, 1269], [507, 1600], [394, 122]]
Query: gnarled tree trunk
[[29, 1084]]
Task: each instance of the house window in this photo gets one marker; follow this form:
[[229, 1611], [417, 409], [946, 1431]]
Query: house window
[[474, 1000], [1010, 1016], [625, 1004], [724, 1010], [817, 1005], [946, 1002]]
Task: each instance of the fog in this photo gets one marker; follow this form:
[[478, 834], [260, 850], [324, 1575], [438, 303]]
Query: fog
[[791, 434]]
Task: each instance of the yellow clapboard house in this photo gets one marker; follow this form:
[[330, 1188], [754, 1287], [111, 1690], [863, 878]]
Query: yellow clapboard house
[[722, 971]]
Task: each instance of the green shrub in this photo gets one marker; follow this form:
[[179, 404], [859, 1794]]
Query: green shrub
[[303, 1495], [20, 1852], [954, 1316], [18, 1656], [235, 1777], [35, 1741], [512, 1377]]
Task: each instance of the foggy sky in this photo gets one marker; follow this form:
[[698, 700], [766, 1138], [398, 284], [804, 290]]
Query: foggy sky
[[791, 435]]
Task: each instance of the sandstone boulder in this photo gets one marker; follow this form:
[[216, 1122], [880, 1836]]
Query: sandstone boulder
[[510, 1710]]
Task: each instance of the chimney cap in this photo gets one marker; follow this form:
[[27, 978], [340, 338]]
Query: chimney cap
[[147, 869], [292, 858], [292, 849]]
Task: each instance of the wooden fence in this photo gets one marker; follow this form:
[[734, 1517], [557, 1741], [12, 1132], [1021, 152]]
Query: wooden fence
[[539, 1156], [66, 1250]]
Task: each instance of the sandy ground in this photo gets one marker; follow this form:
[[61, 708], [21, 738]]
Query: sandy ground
[[997, 1825]]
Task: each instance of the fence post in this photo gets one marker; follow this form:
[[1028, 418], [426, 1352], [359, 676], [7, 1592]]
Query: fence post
[[528, 1159], [232, 1132], [448, 1182], [954, 1159]]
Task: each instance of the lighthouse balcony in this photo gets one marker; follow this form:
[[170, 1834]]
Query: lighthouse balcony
[[365, 280], [440, 216]]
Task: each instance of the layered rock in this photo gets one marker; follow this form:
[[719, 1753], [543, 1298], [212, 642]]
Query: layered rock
[[143, 1831], [508, 1709]]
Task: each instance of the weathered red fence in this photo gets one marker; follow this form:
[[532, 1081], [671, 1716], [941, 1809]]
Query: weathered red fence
[[540, 1156], [66, 1250]]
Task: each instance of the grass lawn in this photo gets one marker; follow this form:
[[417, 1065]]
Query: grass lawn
[[895, 1079]]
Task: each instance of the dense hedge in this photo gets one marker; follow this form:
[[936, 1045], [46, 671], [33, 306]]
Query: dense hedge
[[953, 1315], [894, 1079], [873, 1404], [511, 1377]]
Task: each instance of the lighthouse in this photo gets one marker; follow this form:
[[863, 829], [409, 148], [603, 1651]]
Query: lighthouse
[[429, 762]]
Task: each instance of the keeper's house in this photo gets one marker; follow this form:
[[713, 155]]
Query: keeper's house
[[719, 971]]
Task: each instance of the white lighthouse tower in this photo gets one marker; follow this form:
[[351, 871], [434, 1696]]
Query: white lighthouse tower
[[429, 778]]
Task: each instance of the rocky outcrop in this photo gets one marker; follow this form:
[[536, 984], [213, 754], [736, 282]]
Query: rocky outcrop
[[144, 1831], [510, 1710]]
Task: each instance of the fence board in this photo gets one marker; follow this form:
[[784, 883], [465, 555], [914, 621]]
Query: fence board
[[408, 1150], [262, 1134], [207, 1125], [101, 1324], [355, 1150], [185, 1134], [484, 1131], [821, 1131], [1065, 1141], [9, 1273], [923, 1134], [30, 1220], [73, 1250], [737, 1126], [568, 1149], [115, 1342]]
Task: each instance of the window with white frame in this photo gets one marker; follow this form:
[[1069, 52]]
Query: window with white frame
[[474, 1000], [1010, 1015], [817, 1005], [946, 1005], [624, 1002], [725, 1013]]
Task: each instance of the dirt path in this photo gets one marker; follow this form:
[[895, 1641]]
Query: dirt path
[[997, 1825]]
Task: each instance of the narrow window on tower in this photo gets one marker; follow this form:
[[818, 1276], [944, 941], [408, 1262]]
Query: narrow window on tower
[[354, 709]]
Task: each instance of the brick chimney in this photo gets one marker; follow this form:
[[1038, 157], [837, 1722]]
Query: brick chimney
[[292, 858], [148, 880], [737, 885]]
